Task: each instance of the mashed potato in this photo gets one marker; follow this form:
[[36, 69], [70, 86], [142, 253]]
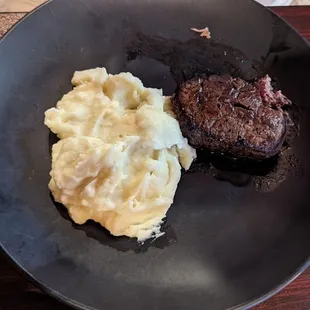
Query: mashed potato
[[117, 162]]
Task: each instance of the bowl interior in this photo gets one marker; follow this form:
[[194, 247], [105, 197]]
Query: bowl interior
[[229, 241]]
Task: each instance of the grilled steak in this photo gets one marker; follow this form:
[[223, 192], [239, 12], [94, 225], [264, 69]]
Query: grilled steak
[[228, 115]]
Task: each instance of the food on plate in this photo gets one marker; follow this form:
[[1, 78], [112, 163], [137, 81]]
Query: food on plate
[[119, 158], [231, 116], [204, 32]]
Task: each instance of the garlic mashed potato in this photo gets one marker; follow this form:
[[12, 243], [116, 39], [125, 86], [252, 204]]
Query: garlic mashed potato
[[118, 160]]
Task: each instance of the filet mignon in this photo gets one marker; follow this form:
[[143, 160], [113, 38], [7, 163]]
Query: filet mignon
[[231, 116]]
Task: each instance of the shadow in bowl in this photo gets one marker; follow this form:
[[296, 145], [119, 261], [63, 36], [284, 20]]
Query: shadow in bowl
[[52, 139], [263, 176], [195, 57]]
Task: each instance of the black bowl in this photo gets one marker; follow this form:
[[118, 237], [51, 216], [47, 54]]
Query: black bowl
[[234, 236]]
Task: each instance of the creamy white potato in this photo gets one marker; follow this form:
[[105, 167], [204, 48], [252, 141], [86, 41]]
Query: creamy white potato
[[117, 161]]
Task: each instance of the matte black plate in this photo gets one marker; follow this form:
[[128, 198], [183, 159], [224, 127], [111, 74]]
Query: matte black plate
[[228, 242]]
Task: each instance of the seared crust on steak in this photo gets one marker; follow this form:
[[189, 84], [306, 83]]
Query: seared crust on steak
[[228, 115]]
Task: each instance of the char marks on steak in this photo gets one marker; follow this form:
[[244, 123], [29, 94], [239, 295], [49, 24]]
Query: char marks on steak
[[231, 116]]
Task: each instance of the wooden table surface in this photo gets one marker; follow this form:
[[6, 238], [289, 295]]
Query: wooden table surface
[[16, 293]]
